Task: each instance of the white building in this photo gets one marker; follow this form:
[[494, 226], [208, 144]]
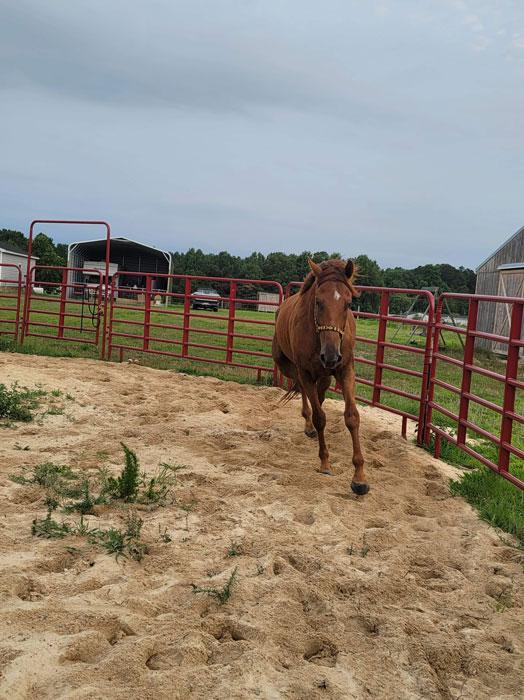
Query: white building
[[12, 255]]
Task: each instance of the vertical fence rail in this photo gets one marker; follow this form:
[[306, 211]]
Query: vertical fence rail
[[510, 388], [12, 325]]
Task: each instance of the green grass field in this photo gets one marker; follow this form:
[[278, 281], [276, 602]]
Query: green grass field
[[212, 333]]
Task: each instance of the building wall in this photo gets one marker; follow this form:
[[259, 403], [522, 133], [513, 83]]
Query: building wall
[[9, 274], [488, 278]]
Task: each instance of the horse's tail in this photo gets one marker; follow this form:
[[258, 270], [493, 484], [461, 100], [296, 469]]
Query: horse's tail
[[291, 393]]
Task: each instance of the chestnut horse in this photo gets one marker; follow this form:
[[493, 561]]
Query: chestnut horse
[[314, 341]]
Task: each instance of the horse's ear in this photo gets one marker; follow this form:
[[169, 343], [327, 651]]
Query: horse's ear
[[350, 269], [315, 269]]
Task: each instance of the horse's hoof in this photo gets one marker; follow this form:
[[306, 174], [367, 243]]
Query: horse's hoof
[[311, 433], [359, 489], [326, 472]]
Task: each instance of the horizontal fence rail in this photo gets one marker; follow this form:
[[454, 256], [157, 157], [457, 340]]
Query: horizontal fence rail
[[404, 364], [464, 431], [10, 299]]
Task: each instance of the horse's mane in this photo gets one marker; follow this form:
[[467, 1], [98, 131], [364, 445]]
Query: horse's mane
[[332, 271]]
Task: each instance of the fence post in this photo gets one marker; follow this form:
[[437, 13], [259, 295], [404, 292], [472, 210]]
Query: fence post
[[508, 406], [231, 322], [277, 381], [187, 312], [428, 416], [63, 297], [147, 314], [426, 372], [381, 338], [469, 357]]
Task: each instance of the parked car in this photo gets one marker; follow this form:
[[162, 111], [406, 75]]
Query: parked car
[[205, 299]]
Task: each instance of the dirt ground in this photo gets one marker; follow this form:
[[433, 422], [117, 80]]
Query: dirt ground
[[402, 593]]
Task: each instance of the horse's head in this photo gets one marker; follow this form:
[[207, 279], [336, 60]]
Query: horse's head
[[334, 292]]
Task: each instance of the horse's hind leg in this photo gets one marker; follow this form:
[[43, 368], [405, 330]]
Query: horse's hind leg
[[319, 421], [289, 370]]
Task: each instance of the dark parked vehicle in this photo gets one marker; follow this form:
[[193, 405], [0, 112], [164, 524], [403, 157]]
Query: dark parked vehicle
[[205, 299]]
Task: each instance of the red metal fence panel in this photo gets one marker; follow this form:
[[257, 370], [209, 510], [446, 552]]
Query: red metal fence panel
[[165, 321], [463, 423], [63, 310], [10, 299]]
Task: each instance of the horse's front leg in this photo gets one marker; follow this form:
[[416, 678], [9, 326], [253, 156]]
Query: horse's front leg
[[319, 421], [359, 484]]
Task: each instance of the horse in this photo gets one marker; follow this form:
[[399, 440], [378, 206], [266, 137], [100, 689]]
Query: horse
[[314, 340]]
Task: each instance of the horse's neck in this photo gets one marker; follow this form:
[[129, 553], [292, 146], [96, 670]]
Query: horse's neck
[[308, 303]]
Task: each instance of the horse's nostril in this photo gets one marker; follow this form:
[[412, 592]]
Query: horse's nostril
[[322, 357]]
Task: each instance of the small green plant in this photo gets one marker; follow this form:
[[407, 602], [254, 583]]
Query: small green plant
[[164, 535], [126, 485], [221, 594], [235, 549], [56, 392], [19, 403], [86, 503], [47, 474], [123, 543], [54, 411], [158, 488], [188, 507], [48, 528]]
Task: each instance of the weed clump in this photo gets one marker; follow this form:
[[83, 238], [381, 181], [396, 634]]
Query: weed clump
[[48, 528], [123, 543], [18, 403], [221, 594], [126, 485]]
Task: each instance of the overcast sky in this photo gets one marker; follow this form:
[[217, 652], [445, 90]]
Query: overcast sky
[[392, 128]]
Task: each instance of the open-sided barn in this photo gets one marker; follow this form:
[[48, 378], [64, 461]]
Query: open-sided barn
[[501, 274], [126, 256]]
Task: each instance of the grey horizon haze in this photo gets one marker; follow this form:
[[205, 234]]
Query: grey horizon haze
[[390, 127]]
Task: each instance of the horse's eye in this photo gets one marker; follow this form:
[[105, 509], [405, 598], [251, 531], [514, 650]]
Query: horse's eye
[[319, 304], [348, 305]]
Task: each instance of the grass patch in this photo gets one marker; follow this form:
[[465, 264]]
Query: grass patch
[[497, 501]]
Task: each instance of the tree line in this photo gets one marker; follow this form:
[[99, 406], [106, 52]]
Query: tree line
[[279, 267]]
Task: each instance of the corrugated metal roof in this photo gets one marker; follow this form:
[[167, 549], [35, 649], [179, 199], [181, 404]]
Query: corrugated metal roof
[[514, 235], [511, 266]]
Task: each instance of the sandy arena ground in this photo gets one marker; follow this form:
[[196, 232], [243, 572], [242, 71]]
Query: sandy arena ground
[[403, 593]]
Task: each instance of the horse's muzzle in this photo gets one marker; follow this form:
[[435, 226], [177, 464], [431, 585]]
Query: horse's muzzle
[[330, 360]]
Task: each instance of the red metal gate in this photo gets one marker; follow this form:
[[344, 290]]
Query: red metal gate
[[95, 335], [10, 299], [161, 321], [503, 413], [63, 310]]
